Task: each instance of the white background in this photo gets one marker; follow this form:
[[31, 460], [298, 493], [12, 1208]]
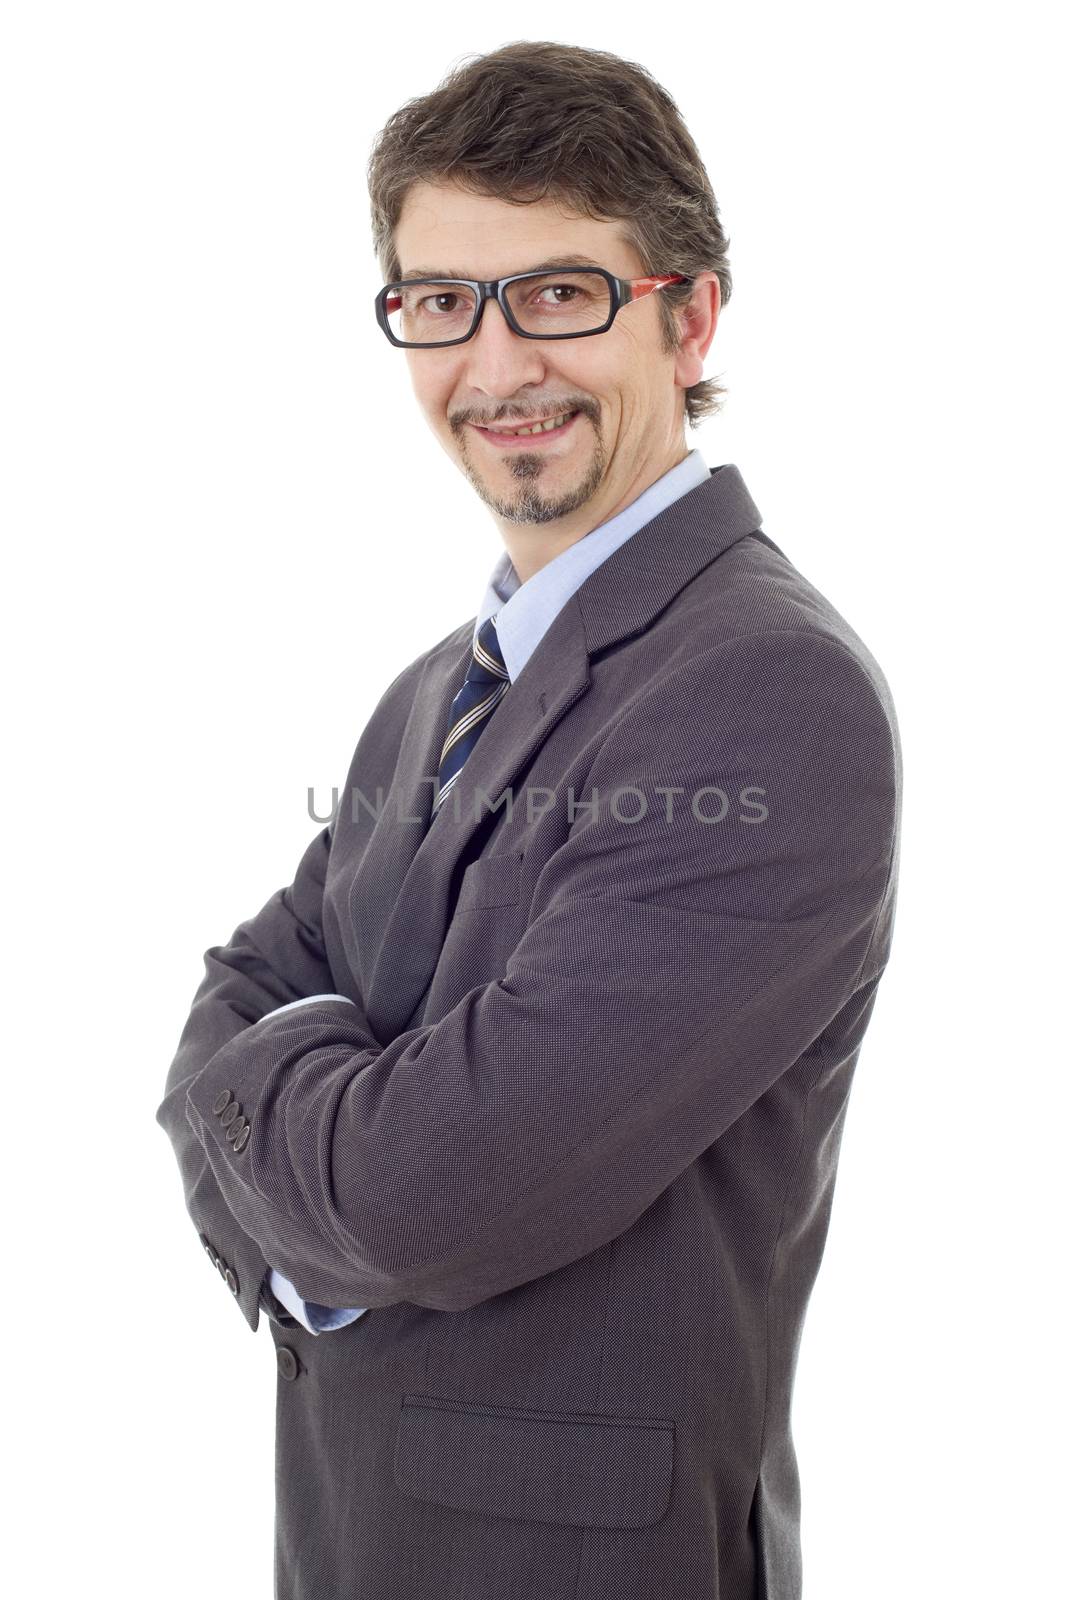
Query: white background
[[227, 528]]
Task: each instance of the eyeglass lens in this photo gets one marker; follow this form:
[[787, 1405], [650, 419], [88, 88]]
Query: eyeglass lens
[[553, 303]]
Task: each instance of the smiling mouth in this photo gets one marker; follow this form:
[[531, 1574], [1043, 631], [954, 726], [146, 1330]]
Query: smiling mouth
[[529, 430]]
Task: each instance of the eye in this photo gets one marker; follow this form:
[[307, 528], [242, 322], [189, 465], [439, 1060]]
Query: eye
[[432, 301], [562, 288]]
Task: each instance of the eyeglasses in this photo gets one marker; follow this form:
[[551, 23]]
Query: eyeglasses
[[422, 312]]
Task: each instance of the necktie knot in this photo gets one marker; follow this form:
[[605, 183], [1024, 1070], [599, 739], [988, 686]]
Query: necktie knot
[[487, 661]]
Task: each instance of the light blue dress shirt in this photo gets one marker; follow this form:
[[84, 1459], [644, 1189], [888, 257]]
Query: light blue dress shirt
[[524, 612]]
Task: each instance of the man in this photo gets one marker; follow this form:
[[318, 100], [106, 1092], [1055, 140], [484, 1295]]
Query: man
[[519, 1109]]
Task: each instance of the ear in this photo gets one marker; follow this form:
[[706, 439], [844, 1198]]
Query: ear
[[697, 322]]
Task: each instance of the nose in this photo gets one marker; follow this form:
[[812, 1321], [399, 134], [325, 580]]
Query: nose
[[500, 361]]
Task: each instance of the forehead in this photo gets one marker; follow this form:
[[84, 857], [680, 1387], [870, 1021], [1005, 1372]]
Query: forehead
[[445, 231]]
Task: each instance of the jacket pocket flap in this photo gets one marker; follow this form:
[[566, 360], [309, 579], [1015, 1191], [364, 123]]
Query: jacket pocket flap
[[580, 1469], [491, 881]]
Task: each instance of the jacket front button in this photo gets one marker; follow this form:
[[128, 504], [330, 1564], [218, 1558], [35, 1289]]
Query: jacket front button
[[288, 1365]]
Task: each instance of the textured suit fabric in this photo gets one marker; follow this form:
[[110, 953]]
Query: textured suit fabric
[[574, 1140]]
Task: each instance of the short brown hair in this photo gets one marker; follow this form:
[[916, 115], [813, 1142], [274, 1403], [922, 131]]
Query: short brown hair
[[536, 120]]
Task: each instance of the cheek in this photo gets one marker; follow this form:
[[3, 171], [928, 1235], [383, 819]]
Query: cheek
[[609, 368], [434, 401], [431, 385]]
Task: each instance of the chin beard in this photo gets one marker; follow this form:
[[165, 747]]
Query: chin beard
[[528, 505]]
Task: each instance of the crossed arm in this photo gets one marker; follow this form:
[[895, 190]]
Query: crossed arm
[[672, 969]]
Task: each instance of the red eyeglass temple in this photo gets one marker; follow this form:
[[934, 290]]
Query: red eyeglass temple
[[640, 286]]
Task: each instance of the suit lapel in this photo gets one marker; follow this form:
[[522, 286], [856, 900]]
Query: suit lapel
[[410, 865], [413, 864]]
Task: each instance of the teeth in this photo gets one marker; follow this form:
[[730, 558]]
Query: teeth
[[538, 427]]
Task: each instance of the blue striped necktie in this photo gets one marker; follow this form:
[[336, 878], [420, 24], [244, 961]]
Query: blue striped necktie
[[483, 689]]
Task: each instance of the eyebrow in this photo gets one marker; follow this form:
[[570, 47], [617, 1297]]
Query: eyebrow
[[538, 266]]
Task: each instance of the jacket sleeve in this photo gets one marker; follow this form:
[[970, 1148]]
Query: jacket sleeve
[[272, 959], [315, 1318], [672, 968]]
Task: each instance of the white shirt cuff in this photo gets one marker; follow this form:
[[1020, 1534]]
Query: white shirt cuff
[[315, 1318], [308, 1000]]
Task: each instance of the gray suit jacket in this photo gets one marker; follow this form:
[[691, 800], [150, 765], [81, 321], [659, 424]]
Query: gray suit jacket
[[575, 1141]]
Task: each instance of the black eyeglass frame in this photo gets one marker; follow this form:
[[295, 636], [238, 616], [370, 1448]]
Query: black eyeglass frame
[[623, 292]]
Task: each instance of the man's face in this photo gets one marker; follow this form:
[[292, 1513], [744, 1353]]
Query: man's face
[[627, 392]]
